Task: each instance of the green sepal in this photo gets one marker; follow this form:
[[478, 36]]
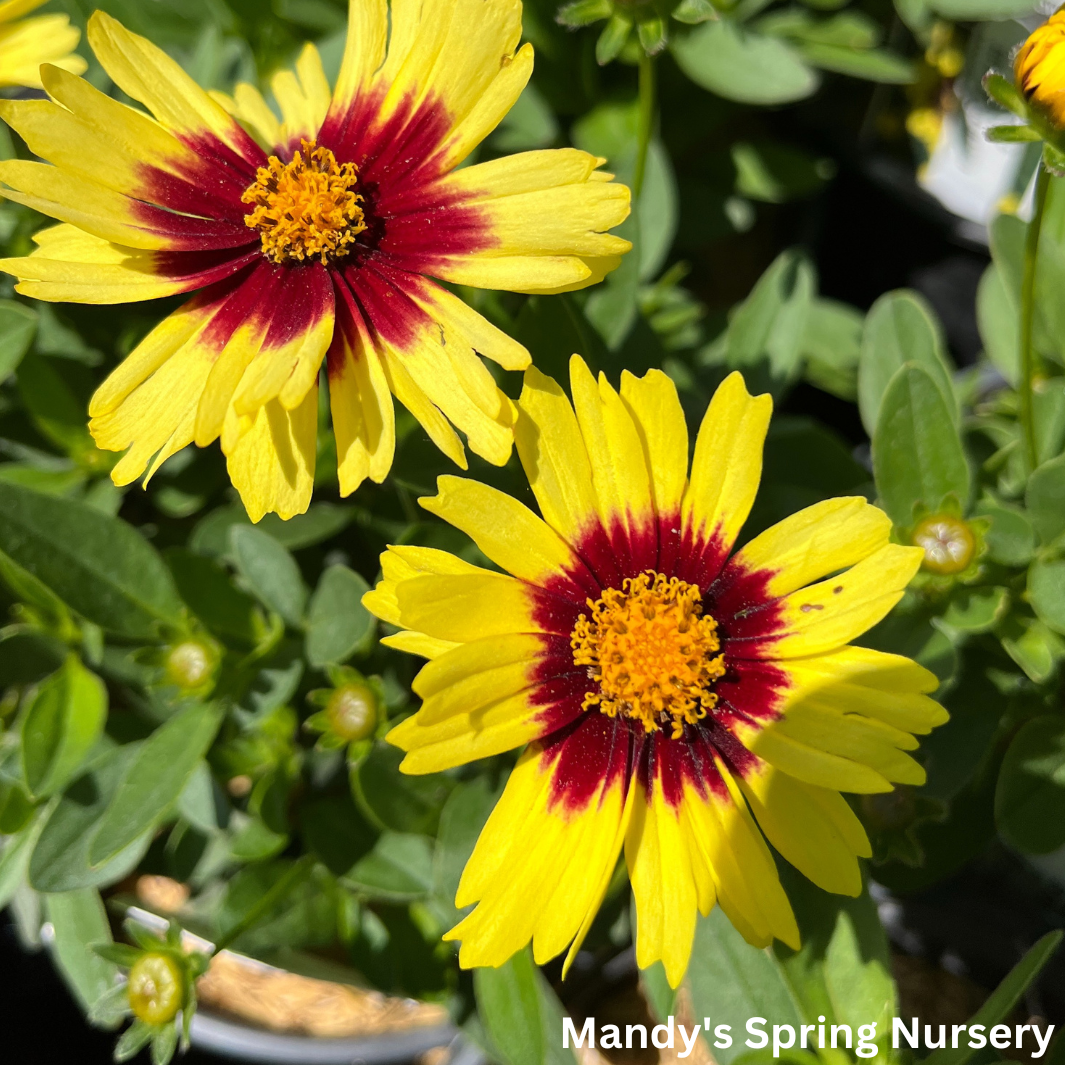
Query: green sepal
[[1011, 134], [1005, 92], [1054, 159], [612, 39], [142, 937], [134, 1039], [692, 12], [652, 34], [164, 1043], [583, 12], [318, 722], [120, 954], [110, 1008]]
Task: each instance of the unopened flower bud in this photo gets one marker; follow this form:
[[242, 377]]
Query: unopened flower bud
[[1039, 68], [352, 710], [948, 543], [155, 988], [190, 664]]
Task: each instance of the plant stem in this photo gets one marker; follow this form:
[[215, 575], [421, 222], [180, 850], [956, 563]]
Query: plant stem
[[299, 872], [1027, 352], [645, 121]]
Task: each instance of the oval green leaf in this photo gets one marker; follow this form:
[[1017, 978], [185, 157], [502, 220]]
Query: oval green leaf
[[733, 62]]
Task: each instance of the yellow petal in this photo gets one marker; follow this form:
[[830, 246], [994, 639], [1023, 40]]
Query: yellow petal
[[824, 538], [510, 534], [659, 418], [552, 451], [272, 463], [727, 465]]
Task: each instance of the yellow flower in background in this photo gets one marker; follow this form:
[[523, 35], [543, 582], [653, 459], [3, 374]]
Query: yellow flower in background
[[1039, 68], [26, 44], [680, 701], [308, 237]]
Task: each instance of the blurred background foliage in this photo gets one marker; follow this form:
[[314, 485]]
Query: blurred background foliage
[[228, 678]]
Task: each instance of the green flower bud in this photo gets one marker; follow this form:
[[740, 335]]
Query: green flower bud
[[191, 664], [156, 988], [352, 712], [948, 542]]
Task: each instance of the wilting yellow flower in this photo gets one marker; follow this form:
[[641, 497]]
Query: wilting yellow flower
[[310, 237], [1039, 68], [25, 45], [677, 702]]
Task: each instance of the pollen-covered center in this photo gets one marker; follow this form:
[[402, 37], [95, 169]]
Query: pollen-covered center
[[651, 652], [305, 209]]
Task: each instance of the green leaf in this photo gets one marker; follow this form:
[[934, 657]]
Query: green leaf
[[981, 10], [61, 726], [212, 597], [156, 777], [78, 920], [394, 800], [655, 987], [520, 1013], [1030, 793], [976, 609], [321, 522], [731, 981], [98, 565], [1045, 499], [831, 345], [774, 173], [398, 869], [1046, 593], [1033, 646], [530, 123], [900, 328], [58, 414], [765, 334], [335, 831], [843, 968], [18, 324], [872, 64], [1011, 538], [27, 657], [612, 307], [461, 820], [16, 852], [1003, 999], [60, 860], [738, 64], [337, 622], [270, 571], [996, 316], [917, 455]]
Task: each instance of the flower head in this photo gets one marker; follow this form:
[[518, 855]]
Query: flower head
[[680, 702], [27, 43], [308, 238], [1039, 68]]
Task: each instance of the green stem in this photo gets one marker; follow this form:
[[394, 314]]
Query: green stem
[[645, 121], [298, 873], [1027, 352]]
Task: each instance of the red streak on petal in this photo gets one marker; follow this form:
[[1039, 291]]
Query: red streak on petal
[[592, 753]]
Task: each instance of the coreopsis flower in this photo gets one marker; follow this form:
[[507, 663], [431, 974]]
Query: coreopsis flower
[[308, 237], [1039, 68], [679, 700], [27, 43]]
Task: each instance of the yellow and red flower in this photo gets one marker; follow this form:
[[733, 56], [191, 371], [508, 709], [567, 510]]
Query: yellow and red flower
[[27, 43], [680, 701], [308, 237]]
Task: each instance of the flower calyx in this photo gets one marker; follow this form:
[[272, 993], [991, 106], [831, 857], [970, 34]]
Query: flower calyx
[[160, 988], [350, 713]]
